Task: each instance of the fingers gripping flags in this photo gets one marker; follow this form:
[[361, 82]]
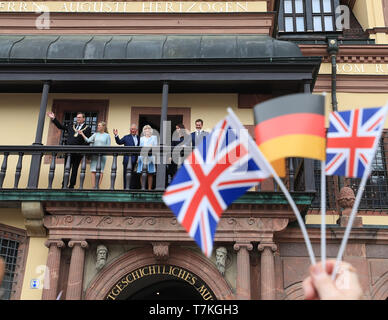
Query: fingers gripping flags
[[217, 172]]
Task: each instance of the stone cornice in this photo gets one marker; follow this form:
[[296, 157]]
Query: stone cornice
[[349, 53], [158, 228], [86, 197], [142, 210], [353, 83], [334, 235], [141, 23]]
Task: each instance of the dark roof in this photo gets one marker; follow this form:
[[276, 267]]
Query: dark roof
[[142, 47]]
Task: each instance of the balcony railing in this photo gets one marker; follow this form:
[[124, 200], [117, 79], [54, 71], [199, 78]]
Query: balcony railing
[[17, 165]]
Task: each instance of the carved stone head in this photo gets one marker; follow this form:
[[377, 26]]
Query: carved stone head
[[102, 255], [221, 255], [346, 199]]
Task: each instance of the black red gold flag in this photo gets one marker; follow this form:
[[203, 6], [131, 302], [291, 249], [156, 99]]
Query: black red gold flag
[[291, 126]]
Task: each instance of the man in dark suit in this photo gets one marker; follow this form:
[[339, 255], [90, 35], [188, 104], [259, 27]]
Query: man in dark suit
[[133, 140], [198, 135], [73, 138]]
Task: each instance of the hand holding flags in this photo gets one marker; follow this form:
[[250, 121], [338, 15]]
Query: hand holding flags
[[352, 142], [229, 163]]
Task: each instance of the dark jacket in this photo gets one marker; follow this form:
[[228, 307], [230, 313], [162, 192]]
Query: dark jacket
[[71, 140], [128, 142]]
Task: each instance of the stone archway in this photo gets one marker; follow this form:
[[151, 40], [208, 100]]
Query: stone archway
[[380, 289], [140, 257]]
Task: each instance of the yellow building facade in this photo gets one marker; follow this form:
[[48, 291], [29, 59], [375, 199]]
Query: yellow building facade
[[54, 231]]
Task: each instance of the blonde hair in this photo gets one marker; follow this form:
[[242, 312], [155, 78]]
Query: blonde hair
[[147, 126], [103, 123]]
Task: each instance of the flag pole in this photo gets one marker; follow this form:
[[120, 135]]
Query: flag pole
[[323, 209], [351, 220], [323, 214], [360, 191], [287, 195], [294, 208]]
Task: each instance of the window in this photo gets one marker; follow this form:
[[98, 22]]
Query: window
[[294, 16], [66, 111], [307, 15], [323, 15], [70, 117], [8, 251], [376, 189], [13, 251]]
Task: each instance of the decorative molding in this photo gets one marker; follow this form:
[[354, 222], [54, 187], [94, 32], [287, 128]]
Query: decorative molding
[[143, 207], [141, 23], [158, 227], [377, 30], [58, 243], [33, 213], [247, 245], [353, 84], [161, 250], [270, 245], [335, 235], [349, 53], [82, 243]]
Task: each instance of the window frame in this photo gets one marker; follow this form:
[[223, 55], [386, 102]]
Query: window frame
[[308, 17], [60, 106], [19, 235]]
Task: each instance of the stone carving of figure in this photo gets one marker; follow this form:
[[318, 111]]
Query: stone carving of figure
[[221, 254], [346, 200], [102, 255]]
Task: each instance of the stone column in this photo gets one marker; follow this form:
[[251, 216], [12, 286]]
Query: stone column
[[267, 268], [53, 263], [243, 283], [76, 272]]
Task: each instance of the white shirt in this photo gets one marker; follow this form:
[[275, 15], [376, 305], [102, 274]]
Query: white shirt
[[134, 139]]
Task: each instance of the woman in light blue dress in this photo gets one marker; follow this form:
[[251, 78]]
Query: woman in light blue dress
[[147, 140], [100, 138]]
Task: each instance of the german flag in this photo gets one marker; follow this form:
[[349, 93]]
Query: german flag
[[291, 126]]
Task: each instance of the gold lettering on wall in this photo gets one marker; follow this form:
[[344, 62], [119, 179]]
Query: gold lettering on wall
[[170, 271], [134, 7]]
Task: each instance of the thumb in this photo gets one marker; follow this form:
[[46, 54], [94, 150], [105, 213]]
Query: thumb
[[323, 283]]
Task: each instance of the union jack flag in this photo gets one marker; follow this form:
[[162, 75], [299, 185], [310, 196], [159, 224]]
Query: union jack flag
[[351, 140], [216, 173]]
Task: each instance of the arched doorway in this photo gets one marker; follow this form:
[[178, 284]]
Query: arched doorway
[[185, 271], [167, 290], [160, 282]]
